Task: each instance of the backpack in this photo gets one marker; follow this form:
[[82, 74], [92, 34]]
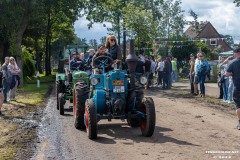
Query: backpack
[[204, 68]]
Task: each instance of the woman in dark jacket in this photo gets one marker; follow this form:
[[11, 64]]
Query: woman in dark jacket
[[167, 73], [114, 49]]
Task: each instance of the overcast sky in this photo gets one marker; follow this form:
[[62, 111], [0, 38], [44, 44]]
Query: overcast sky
[[223, 15]]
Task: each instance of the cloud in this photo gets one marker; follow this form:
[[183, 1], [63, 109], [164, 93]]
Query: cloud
[[221, 13], [96, 32]]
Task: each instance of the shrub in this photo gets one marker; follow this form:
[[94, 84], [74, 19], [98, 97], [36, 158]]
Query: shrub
[[28, 64]]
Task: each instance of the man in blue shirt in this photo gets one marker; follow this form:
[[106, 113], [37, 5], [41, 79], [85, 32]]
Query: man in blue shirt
[[6, 78], [233, 70], [75, 62]]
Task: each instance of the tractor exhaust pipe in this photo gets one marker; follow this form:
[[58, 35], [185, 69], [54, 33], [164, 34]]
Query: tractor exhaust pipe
[[132, 63]]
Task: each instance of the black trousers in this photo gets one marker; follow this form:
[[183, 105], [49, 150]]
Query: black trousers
[[192, 83], [221, 91], [160, 78]]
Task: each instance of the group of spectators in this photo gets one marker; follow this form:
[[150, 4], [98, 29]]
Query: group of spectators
[[164, 70], [233, 71], [225, 83], [199, 70], [229, 74], [9, 80], [110, 49]]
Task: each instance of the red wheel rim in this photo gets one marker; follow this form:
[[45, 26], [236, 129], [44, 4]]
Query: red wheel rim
[[143, 122], [74, 103], [87, 120]]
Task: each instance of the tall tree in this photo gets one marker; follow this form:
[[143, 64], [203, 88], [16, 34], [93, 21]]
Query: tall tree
[[237, 2], [193, 14], [93, 43], [103, 39], [140, 23], [58, 12], [14, 19]]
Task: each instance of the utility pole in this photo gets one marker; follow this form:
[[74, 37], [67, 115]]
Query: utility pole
[[124, 37]]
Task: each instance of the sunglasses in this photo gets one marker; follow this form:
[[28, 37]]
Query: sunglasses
[[200, 56], [12, 60], [112, 40]]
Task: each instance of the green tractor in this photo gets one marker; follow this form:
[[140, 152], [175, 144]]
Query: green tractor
[[72, 87]]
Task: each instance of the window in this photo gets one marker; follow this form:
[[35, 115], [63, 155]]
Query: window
[[213, 42]]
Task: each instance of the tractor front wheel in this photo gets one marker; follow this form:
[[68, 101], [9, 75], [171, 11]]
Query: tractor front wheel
[[80, 95], [57, 92], [61, 103], [147, 124], [90, 119]]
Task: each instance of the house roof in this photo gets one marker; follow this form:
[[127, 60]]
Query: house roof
[[206, 30]]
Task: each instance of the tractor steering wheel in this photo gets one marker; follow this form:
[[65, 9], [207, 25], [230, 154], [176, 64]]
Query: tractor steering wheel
[[100, 61]]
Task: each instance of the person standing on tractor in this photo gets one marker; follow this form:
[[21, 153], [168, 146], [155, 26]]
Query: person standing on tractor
[[114, 49]]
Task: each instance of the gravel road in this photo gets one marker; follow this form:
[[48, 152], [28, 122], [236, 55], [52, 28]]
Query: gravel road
[[186, 129]]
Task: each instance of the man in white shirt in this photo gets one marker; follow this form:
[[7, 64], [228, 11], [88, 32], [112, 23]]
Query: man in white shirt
[[160, 67], [153, 69]]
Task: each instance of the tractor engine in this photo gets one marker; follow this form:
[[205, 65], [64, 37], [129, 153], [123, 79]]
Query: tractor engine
[[119, 106]]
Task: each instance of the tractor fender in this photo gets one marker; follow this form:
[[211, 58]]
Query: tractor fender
[[99, 100], [60, 76]]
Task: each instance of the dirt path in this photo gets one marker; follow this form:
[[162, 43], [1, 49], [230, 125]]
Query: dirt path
[[186, 129]]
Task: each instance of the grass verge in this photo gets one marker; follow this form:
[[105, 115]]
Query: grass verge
[[18, 123]]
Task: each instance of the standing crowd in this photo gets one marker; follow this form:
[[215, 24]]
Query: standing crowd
[[225, 83], [164, 70], [9, 80], [229, 74]]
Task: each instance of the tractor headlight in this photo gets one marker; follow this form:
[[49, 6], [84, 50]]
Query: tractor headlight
[[94, 81], [143, 79]]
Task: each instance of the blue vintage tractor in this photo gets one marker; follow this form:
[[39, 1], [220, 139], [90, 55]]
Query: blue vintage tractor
[[116, 95]]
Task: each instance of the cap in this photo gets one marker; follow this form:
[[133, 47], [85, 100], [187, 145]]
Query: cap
[[146, 56], [237, 50], [100, 46], [74, 53], [91, 50], [191, 55]]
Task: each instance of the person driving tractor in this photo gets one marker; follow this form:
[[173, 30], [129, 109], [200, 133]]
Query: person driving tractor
[[77, 63], [101, 51]]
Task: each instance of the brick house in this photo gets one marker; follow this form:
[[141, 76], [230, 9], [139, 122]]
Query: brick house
[[205, 32]]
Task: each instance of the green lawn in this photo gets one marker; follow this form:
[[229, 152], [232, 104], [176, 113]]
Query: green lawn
[[43, 79], [30, 93]]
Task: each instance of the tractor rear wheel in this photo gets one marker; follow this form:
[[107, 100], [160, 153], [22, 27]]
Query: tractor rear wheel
[[80, 94], [147, 124], [90, 119], [61, 103]]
